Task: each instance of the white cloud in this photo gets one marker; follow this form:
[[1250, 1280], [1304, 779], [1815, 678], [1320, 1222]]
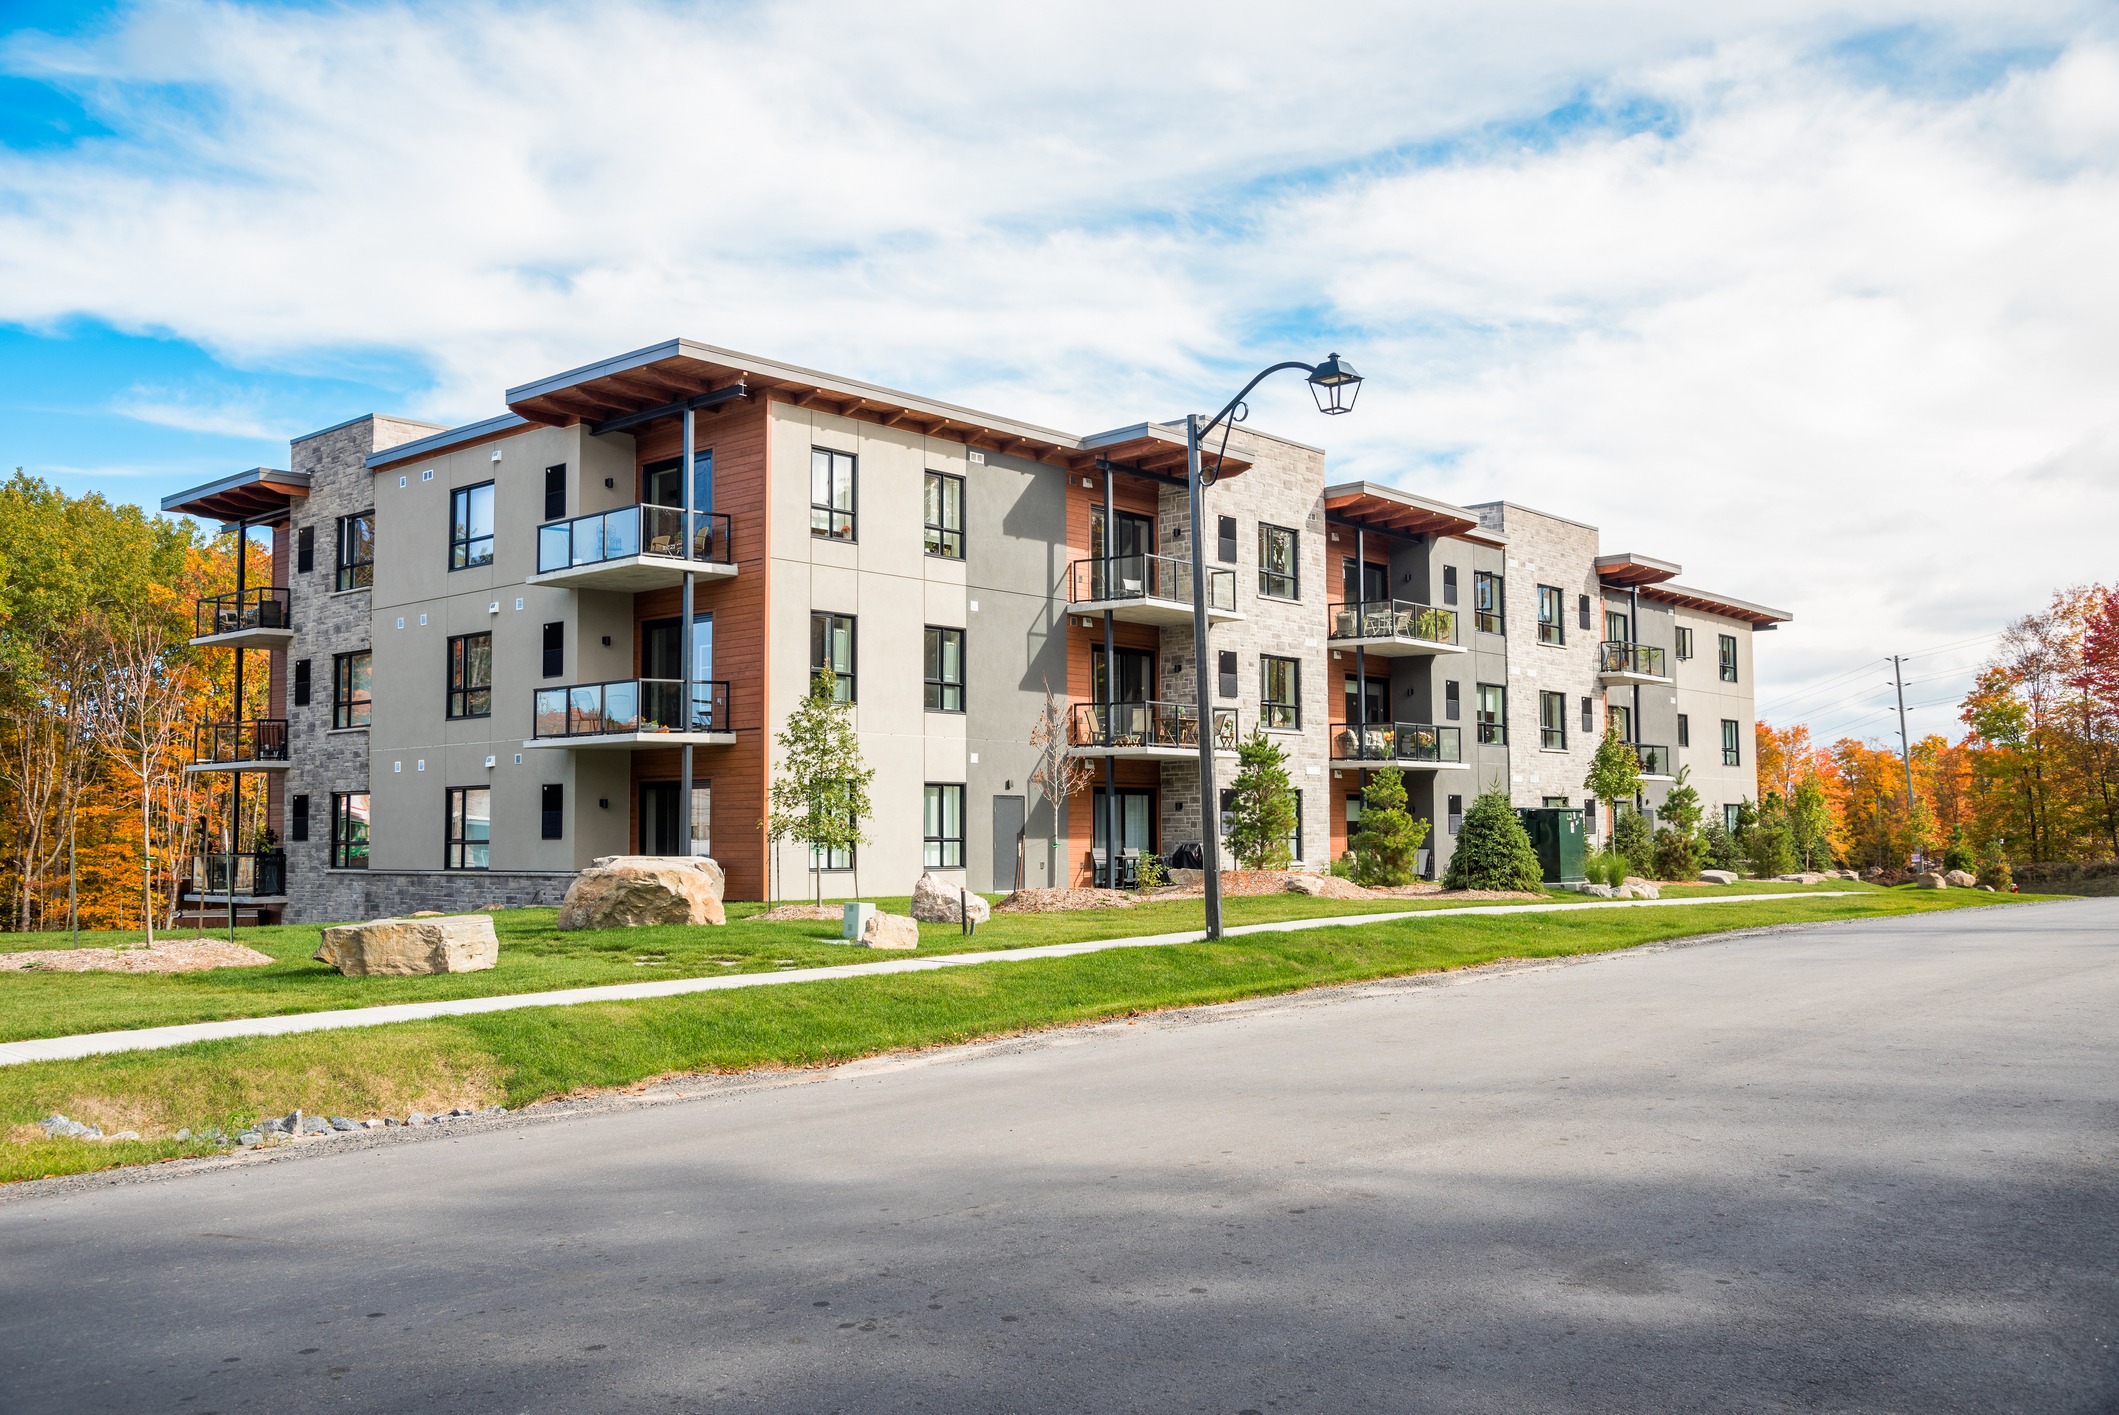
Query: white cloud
[[1837, 345]]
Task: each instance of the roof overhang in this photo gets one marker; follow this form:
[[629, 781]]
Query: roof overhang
[[1626, 570], [1395, 512], [454, 439], [1155, 450], [1759, 616], [260, 497]]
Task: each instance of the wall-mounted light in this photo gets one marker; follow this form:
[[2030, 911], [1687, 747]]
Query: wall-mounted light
[[606, 640], [603, 803], [610, 481]]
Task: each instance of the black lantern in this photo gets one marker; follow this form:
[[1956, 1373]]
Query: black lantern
[[1335, 385]]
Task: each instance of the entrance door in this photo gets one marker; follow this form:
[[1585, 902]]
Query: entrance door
[[1371, 585], [660, 484], [1132, 540], [658, 817], [1008, 818]]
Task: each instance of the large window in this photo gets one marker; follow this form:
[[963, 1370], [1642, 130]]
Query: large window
[[1552, 615], [831, 650], [942, 831], [1280, 692], [470, 828], [834, 858], [1492, 714], [356, 551], [945, 516], [1489, 602], [831, 494], [945, 670], [349, 830], [471, 526], [1732, 752], [1279, 567], [471, 675], [1728, 657], [1552, 721], [350, 701]]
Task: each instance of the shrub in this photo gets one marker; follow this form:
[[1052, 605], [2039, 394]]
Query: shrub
[[1343, 867], [1493, 849], [1718, 847], [1604, 867], [1676, 855], [1261, 813], [1631, 839], [1387, 847], [1994, 870], [1957, 855], [1768, 846], [1149, 873]]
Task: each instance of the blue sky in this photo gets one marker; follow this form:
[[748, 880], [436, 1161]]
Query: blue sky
[[1774, 290]]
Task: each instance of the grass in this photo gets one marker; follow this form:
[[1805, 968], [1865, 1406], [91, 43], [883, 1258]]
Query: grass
[[517, 1057]]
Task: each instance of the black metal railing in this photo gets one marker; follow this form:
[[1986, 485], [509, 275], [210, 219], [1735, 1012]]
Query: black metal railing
[[260, 874], [1397, 742], [265, 607], [1111, 725], [630, 705], [1655, 761], [262, 739], [1160, 577], [1638, 659], [1401, 619], [630, 531]]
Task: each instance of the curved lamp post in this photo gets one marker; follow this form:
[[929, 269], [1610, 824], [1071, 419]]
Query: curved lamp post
[[1335, 385]]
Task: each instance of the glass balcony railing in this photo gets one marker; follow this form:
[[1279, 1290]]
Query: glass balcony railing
[[1397, 742], [630, 705], [262, 739], [1160, 577], [1113, 726], [1638, 659], [630, 531], [260, 875], [1393, 619], [262, 608], [1655, 761]]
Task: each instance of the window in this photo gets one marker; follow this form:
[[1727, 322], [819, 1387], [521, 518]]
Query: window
[[1552, 721], [1582, 611], [942, 831], [471, 675], [1732, 816], [834, 858], [470, 828], [703, 818], [1225, 660], [356, 551], [1353, 816], [1295, 836], [945, 516], [349, 830], [1552, 615], [1621, 719], [551, 810], [1280, 691], [471, 526], [831, 493], [1225, 540], [1684, 642], [1454, 818], [1279, 572], [350, 704], [945, 670], [555, 492], [1618, 627], [1728, 657], [1452, 704], [1449, 584], [1684, 730], [305, 549], [1589, 717], [555, 650], [1732, 755], [831, 650], [298, 818], [301, 682], [1364, 583], [1493, 713], [1489, 602]]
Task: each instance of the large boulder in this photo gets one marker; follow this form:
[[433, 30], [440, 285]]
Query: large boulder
[[1717, 876], [1960, 879], [890, 931], [463, 943], [1930, 880], [934, 902], [1594, 891], [635, 891], [1638, 889]]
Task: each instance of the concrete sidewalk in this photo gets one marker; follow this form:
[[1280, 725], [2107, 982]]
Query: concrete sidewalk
[[151, 1038]]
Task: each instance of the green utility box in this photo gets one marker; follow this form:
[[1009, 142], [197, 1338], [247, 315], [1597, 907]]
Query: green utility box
[[1556, 834]]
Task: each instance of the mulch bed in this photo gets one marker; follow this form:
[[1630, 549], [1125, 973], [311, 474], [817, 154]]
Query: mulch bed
[[189, 955], [1054, 901], [797, 914]]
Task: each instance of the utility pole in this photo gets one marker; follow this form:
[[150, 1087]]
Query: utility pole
[[1905, 743]]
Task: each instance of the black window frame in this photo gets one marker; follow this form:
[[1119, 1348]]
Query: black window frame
[[456, 842], [1620, 715], [1582, 619], [1684, 729], [298, 817], [1589, 717], [831, 513], [939, 534], [1618, 617], [347, 852], [940, 688], [1683, 647], [551, 810], [1490, 602], [467, 700], [1226, 674], [1449, 584], [345, 706], [933, 844], [555, 492], [1552, 615], [1552, 721], [552, 649], [1279, 715], [1725, 657], [1732, 741], [1453, 817], [1280, 584], [305, 549], [1452, 700], [350, 572], [302, 682], [1492, 731], [848, 677], [1225, 539], [464, 546]]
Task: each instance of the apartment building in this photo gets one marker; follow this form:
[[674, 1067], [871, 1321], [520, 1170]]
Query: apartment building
[[499, 651]]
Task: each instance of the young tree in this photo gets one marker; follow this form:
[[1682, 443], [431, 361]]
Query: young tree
[[1810, 824], [1633, 840], [820, 789], [148, 705], [1677, 844], [1615, 771], [1261, 812], [1057, 773], [1766, 840], [1387, 846], [1493, 850]]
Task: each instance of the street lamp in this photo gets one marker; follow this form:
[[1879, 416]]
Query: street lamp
[[1334, 384]]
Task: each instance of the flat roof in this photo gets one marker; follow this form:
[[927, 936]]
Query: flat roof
[[260, 496]]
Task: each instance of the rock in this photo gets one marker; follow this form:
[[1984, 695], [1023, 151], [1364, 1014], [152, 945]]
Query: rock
[[934, 902], [1930, 880], [424, 914], [1986, 889], [417, 1117], [315, 1125], [634, 891], [404, 947], [58, 1127], [183, 1135], [1718, 876], [1804, 877], [340, 1122], [249, 1138], [373, 1124], [1637, 889], [1961, 879], [1187, 879], [124, 1135], [890, 931], [1596, 891]]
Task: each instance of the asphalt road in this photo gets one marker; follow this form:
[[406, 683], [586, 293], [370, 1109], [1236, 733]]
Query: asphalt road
[[1869, 1167]]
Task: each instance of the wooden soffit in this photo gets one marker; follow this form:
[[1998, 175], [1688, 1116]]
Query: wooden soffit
[[261, 496], [1394, 512], [1758, 616], [1626, 570]]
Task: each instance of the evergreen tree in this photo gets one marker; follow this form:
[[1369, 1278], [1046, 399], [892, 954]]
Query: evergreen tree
[[1677, 843], [1718, 847], [820, 788], [1387, 847], [1767, 842], [1493, 850], [1633, 842], [1261, 812]]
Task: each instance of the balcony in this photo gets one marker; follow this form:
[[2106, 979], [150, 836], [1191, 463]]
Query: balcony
[[1619, 664], [252, 619], [249, 877], [257, 745], [1394, 628], [1400, 744], [632, 713], [1657, 763], [1147, 589], [1165, 731], [632, 548]]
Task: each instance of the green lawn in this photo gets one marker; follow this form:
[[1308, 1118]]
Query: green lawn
[[517, 1057]]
